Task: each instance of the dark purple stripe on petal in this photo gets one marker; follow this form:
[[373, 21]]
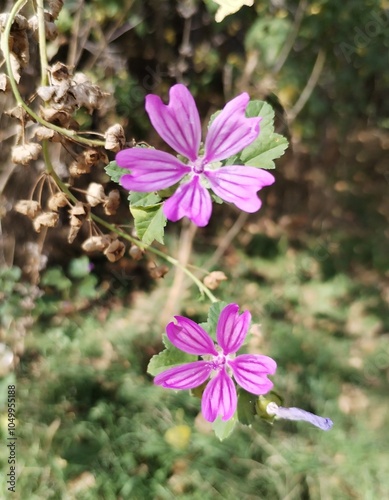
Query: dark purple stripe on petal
[[190, 200], [178, 123], [187, 376], [189, 337]]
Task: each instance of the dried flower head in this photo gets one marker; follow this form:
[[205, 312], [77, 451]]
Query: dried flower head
[[158, 272], [112, 202], [46, 134], [96, 243], [25, 153], [95, 194], [77, 209], [5, 85], [57, 201], [45, 219], [115, 139], [75, 226], [55, 7], [213, 279], [115, 251], [135, 252], [31, 208]]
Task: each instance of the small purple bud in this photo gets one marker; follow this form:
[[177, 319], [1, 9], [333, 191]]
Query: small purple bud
[[322, 423]]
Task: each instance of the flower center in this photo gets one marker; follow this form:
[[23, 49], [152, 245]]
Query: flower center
[[218, 362], [198, 165]]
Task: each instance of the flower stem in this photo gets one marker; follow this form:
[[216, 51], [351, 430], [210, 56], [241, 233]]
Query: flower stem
[[111, 227], [42, 41]]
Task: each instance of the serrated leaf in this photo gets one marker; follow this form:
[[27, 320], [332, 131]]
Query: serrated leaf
[[168, 358], [268, 146], [143, 199], [262, 154], [223, 428], [149, 223], [213, 316], [114, 171]]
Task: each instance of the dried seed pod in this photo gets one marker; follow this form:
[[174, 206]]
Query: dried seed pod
[[95, 194], [25, 153], [45, 219], [135, 252], [57, 200], [59, 117], [46, 134], [19, 23], [31, 208], [46, 92], [77, 209], [115, 250], [91, 157], [75, 226], [59, 72], [5, 85], [159, 271], [213, 279], [51, 30], [111, 204], [86, 93], [55, 7], [78, 168], [96, 243], [19, 113], [115, 139]]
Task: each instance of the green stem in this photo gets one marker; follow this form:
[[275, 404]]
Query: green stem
[[70, 134], [42, 41], [50, 170]]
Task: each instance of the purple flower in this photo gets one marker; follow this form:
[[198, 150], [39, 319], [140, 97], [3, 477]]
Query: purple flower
[[249, 370], [325, 424], [178, 123]]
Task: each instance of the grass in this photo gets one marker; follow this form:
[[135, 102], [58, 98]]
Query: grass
[[92, 425]]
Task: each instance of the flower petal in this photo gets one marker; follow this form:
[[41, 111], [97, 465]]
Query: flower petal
[[187, 376], [151, 170], [251, 371], [219, 398], [232, 328], [189, 337], [231, 131], [190, 200], [178, 123], [322, 423], [239, 184]]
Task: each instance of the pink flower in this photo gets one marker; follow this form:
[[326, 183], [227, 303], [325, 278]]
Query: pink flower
[[178, 123], [250, 371]]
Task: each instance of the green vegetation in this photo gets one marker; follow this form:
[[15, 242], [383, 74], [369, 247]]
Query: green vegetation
[[312, 266]]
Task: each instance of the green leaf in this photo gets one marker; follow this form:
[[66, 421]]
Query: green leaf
[[213, 317], [246, 407], [143, 199], [168, 358], [114, 171], [55, 278], [223, 428], [78, 268], [268, 146], [149, 223]]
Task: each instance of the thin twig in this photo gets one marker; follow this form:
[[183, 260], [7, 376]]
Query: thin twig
[[291, 38], [309, 87]]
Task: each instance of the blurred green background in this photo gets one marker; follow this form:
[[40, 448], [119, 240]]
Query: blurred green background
[[312, 266]]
